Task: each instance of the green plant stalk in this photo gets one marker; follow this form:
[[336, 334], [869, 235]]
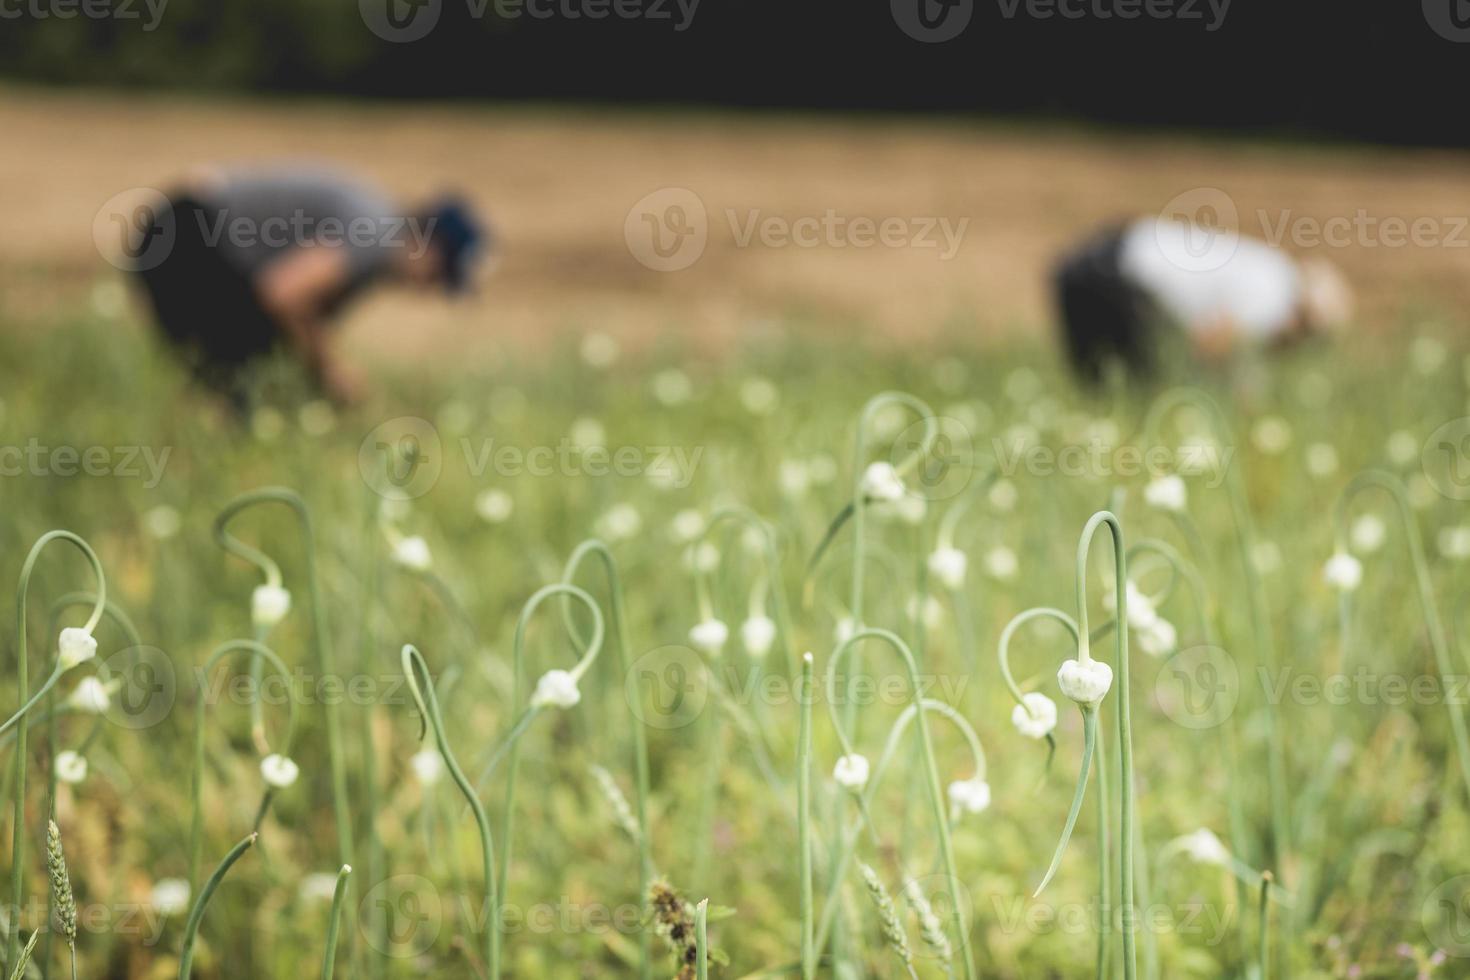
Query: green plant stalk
[[931, 766], [803, 819], [428, 705], [196, 914], [617, 613], [196, 824], [341, 804], [701, 939], [18, 839], [1265, 927], [511, 742], [371, 578], [1104, 878], [329, 957]]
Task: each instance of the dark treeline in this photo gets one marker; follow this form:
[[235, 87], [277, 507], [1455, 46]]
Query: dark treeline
[[1296, 68]]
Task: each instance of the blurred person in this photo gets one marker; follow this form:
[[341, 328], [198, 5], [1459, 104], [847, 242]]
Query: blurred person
[[266, 259], [1123, 290]]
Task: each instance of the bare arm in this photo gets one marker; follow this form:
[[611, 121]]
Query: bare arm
[[295, 291]]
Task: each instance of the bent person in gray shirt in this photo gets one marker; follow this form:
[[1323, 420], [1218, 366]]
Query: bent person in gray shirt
[[240, 264]]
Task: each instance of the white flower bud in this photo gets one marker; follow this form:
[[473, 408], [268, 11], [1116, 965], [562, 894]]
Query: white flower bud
[[70, 767], [318, 887], [170, 896], [1206, 848], [90, 696], [1001, 563], [1159, 639], [428, 766], [970, 795], [794, 477], [1039, 720], [269, 605], [1167, 493], [687, 525], [494, 505], [881, 483], [556, 689], [77, 646], [948, 566], [413, 553], [279, 771], [621, 522], [843, 630], [710, 636], [1343, 572], [1086, 683], [1368, 533], [851, 772], [757, 634]]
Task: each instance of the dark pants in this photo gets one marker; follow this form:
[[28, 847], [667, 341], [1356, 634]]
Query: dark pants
[[1104, 317], [206, 308]]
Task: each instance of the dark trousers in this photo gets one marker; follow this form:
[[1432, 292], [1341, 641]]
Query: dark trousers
[[1104, 317]]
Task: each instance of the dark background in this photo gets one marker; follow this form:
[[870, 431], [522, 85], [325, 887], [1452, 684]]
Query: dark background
[[1291, 68]]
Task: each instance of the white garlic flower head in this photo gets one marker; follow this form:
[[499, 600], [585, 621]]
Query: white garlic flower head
[[910, 509], [1321, 460], [1003, 495], [1159, 639], [279, 771], [1368, 533], [162, 522], [556, 689], [413, 553], [494, 505], [90, 696], [621, 522], [1036, 717], [757, 634], [269, 604], [1454, 542], [703, 557], [930, 612], [970, 795], [1167, 492], [318, 887], [76, 646], [1205, 847], [1001, 563], [794, 478], [947, 565], [687, 525], [844, 630], [851, 772], [759, 396], [710, 636], [71, 767], [428, 766], [881, 483], [1086, 683], [1403, 448], [1343, 572], [170, 896], [1271, 435], [1142, 614]]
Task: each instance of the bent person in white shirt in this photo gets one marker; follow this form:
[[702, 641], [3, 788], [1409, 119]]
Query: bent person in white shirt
[[1120, 289]]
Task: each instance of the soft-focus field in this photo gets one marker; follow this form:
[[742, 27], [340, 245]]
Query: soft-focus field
[[1366, 836]]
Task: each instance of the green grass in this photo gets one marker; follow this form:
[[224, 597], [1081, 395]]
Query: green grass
[[1374, 803]]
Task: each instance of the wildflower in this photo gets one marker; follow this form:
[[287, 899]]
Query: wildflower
[[1086, 682], [1206, 848], [76, 646], [970, 795], [1036, 716], [1167, 492], [1159, 639], [851, 772], [279, 771], [911, 509], [413, 553], [71, 767], [948, 566], [556, 689], [757, 634], [621, 522], [882, 484], [1001, 563], [90, 696], [170, 896], [1142, 613], [428, 766], [687, 525], [1368, 533], [1343, 572], [269, 605], [162, 522], [710, 636], [494, 505]]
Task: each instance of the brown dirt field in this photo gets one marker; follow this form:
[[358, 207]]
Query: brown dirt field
[[560, 183]]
